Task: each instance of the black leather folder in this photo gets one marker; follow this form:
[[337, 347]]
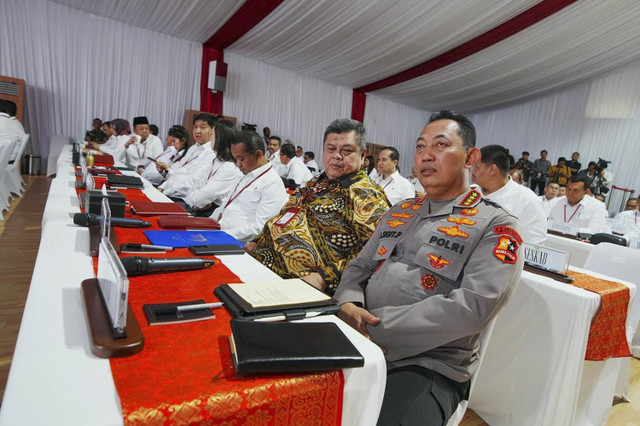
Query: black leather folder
[[287, 347], [125, 181]]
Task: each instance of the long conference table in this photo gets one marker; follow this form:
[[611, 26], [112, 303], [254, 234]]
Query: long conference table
[[533, 373]]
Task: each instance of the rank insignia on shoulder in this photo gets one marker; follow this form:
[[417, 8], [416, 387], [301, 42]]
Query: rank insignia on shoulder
[[454, 231], [461, 221], [469, 212], [421, 199], [471, 199], [437, 261], [508, 231], [507, 249], [395, 223], [429, 282], [416, 206], [405, 205], [382, 251], [402, 215]]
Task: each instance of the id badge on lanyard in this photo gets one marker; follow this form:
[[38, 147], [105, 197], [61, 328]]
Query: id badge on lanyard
[[287, 217]]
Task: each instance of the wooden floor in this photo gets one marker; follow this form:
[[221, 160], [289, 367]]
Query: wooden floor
[[19, 241]]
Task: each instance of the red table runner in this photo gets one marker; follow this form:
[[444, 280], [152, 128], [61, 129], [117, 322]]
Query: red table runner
[[607, 337], [185, 375]]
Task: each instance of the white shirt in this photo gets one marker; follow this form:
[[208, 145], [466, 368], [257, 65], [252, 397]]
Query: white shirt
[[417, 186], [114, 146], [374, 176], [589, 213], [137, 152], [548, 203], [629, 221], [151, 173], [277, 164], [524, 204], [396, 187], [252, 207], [8, 133], [295, 169], [311, 164], [214, 184], [189, 173]]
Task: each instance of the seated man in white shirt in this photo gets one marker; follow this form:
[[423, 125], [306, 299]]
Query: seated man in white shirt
[[273, 146], [293, 169], [550, 196], [141, 145], [417, 186], [395, 186], [257, 196], [579, 208], [11, 130], [628, 221], [491, 174], [310, 162]]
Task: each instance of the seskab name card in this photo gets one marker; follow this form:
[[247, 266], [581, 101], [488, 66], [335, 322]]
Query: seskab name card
[[114, 286], [546, 258]]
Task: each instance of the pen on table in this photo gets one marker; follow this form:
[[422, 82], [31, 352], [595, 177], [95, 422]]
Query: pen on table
[[148, 246], [276, 318], [169, 310]]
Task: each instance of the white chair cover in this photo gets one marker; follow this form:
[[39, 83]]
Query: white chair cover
[[5, 194], [13, 171]]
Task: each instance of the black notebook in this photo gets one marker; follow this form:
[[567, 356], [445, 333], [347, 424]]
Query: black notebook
[[125, 181], [164, 313], [288, 347], [289, 299]]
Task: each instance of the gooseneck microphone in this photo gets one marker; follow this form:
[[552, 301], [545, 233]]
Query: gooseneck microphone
[[86, 219], [139, 265]]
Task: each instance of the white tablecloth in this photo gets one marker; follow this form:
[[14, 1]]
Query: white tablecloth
[[54, 377], [534, 372], [579, 249]]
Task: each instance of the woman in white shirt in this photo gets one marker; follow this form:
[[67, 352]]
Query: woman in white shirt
[[178, 142]]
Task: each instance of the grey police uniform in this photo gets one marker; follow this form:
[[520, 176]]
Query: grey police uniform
[[435, 280]]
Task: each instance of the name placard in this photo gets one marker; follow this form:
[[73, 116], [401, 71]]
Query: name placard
[[83, 168], [556, 260], [563, 227], [114, 287], [105, 222], [91, 183], [634, 243]]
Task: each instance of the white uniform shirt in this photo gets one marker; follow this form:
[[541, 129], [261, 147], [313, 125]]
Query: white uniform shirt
[[396, 187], [524, 204], [214, 185], [548, 204], [8, 133], [114, 146], [629, 221], [151, 173], [137, 152], [295, 169], [589, 213], [417, 186], [313, 165], [189, 173], [277, 164], [249, 209]]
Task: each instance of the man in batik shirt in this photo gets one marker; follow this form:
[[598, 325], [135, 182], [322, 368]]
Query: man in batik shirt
[[325, 223]]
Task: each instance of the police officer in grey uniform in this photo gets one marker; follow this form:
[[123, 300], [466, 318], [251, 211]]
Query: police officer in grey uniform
[[434, 275]]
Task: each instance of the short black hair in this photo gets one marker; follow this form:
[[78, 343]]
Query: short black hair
[[586, 181], [288, 149], [525, 153], [310, 154], [252, 141], [544, 150], [278, 138], [393, 153], [154, 129], [346, 125], [562, 159], [8, 107], [466, 129], [207, 118], [498, 155]]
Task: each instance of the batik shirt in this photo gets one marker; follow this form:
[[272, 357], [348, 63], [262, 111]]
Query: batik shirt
[[334, 221]]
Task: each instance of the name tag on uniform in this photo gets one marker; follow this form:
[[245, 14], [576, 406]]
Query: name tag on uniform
[[288, 216]]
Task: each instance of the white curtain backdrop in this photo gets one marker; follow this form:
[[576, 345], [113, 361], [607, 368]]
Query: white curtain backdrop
[[393, 124], [78, 66], [598, 118], [293, 106]]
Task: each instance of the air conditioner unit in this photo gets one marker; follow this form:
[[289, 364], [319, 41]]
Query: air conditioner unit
[[12, 89]]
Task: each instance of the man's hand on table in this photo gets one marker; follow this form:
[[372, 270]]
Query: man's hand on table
[[357, 318], [249, 248], [316, 280]]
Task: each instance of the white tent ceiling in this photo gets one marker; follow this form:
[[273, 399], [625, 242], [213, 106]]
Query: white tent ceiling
[[358, 42]]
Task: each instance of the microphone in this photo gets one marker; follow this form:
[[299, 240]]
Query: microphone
[[139, 265], [86, 219]]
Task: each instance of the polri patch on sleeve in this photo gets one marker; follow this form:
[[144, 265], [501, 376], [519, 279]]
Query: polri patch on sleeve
[[507, 249]]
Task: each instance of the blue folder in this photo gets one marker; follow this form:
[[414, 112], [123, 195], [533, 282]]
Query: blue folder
[[178, 239]]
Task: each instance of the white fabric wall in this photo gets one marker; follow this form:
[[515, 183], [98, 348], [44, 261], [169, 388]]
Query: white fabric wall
[[598, 118], [393, 124], [78, 66]]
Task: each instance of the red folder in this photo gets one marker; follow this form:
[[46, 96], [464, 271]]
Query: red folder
[[184, 222], [103, 159], [150, 208]]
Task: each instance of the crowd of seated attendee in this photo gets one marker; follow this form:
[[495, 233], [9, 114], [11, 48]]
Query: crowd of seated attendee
[[395, 186]]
